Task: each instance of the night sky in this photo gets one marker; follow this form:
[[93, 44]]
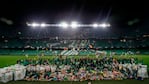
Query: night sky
[[120, 13]]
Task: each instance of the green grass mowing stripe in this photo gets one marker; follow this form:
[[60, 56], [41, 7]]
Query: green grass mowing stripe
[[10, 60], [6, 60]]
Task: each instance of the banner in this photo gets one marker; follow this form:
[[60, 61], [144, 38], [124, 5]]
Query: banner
[[8, 76], [142, 71], [16, 72]]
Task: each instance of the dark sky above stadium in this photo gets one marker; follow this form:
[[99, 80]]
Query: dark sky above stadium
[[120, 13]]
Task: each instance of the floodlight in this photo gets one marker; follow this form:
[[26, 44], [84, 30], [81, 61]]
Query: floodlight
[[95, 25], [74, 24], [35, 24], [28, 24], [104, 25], [63, 24], [43, 25], [108, 25]]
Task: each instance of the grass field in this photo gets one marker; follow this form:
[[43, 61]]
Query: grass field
[[146, 81], [7, 60]]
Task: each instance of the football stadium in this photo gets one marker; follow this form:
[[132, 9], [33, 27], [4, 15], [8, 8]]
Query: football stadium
[[74, 42]]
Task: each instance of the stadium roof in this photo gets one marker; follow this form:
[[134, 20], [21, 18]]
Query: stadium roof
[[120, 13]]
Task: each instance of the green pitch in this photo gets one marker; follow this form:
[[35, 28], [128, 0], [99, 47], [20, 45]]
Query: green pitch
[[146, 81], [7, 60]]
